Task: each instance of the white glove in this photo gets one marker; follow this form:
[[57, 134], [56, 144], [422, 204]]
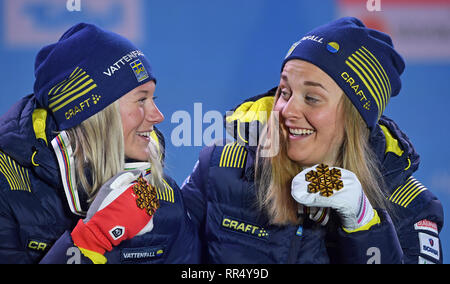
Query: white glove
[[320, 215], [335, 188]]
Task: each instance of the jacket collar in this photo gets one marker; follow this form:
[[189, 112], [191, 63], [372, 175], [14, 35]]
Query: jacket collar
[[19, 141], [76, 197], [396, 154]]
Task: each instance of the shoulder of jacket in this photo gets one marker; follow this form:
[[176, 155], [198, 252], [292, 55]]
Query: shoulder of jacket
[[169, 181], [168, 190], [12, 175], [229, 155], [412, 194]]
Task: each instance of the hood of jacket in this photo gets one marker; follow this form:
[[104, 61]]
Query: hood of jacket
[[397, 156], [25, 136]]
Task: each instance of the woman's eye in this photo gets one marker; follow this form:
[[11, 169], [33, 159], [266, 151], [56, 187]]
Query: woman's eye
[[285, 94], [142, 100], [311, 99]]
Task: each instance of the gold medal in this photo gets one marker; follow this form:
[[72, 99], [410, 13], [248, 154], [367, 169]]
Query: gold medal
[[146, 196], [324, 180]]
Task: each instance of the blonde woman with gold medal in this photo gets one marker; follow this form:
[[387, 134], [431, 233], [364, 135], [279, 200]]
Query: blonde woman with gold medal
[[329, 180]]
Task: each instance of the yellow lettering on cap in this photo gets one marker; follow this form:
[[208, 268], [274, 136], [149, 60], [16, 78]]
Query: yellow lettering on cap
[[351, 81], [82, 106]]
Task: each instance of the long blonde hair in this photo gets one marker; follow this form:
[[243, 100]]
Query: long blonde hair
[[273, 174], [156, 154], [98, 143]]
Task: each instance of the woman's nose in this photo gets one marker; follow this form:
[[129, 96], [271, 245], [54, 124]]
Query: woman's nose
[[292, 109], [153, 114]]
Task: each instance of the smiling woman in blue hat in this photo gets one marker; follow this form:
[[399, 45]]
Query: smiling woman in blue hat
[[331, 178], [81, 161]]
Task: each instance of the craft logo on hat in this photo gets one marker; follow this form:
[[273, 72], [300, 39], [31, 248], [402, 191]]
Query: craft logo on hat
[[87, 70], [74, 88], [139, 70], [372, 75], [362, 61]]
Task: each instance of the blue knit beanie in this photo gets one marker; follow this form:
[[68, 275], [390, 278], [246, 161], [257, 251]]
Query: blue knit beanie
[[85, 71], [362, 61]]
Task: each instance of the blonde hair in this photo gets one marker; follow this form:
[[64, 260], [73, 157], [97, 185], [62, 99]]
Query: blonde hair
[[98, 144], [156, 153], [273, 175]]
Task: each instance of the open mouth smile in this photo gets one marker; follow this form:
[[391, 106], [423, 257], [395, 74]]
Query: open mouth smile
[[300, 133], [296, 132], [144, 134]]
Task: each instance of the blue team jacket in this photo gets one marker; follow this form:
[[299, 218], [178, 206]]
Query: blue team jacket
[[221, 197], [34, 212]]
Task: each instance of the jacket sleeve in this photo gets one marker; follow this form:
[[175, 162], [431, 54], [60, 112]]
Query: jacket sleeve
[[193, 189], [378, 245], [11, 249], [418, 228], [65, 252], [194, 195]]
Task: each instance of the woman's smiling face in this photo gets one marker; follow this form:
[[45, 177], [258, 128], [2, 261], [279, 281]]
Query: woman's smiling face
[[139, 113], [311, 113]]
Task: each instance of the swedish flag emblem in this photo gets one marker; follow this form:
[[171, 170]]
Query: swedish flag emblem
[[139, 70]]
